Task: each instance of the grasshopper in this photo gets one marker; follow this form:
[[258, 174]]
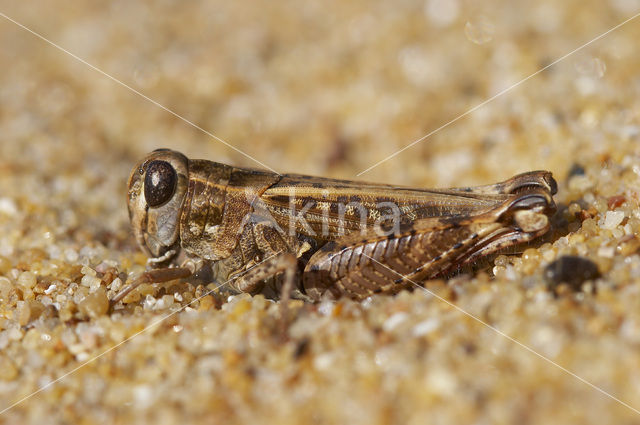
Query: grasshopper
[[317, 237]]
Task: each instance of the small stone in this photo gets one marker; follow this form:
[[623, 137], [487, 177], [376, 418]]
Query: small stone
[[8, 371], [206, 303], [6, 287], [574, 208], [8, 206], [5, 265], [95, 304], [601, 205], [27, 280], [580, 183], [50, 288], [71, 255], [144, 396], [576, 238], [149, 303], [90, 281], [612, 219], [604, 264], [442, 12], [591, 67], [15, 334], [606, 251], [530, 254], [147, 289], [633, 225], [394, 321], [85, 270], [22, 313], [239, 308], [614, 202], [576, 170], [168, 300], [479, 31], [589, 227], [572, 270], [425, 327], [629, 246]]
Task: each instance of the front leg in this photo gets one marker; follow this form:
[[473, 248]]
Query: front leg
[[252, 281], [155, 276], [273, 253]]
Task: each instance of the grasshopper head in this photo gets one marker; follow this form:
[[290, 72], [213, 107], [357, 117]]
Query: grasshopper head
[[157, 187]]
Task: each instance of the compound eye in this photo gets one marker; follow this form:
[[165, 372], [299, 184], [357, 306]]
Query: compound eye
[[159, 183]]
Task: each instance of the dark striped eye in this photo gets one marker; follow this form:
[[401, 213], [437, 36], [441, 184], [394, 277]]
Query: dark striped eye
[[159, 183]]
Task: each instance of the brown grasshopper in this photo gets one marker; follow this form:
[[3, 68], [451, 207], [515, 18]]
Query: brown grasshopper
[[322, 237]]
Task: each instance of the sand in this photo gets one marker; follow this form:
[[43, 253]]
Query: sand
[[324, 88]]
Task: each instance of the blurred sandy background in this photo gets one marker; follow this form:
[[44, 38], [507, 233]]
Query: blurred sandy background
[[325, 88]]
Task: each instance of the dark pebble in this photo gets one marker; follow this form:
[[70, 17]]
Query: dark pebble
[[572, 270], [576, 170], [302, 348]]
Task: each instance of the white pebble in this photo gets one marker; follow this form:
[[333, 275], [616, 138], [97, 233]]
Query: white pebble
[[27, 279], [5, 287], [479, 30], [87, 271], [628, 230], [159, 304], [630, 330], [71, 255], [82, 356], [168, 300], [367, 302], [581, 183], [15, 334], [395, 320], [50, 289], [90, 281], [105, 265], [426, 327], [116, 284], [8, 206], [442, 12], [95, 285], [591, 67], [323, 361], [149, 302], [54, 252], [510, 273], [326, 308], [606, 251], [76, 348], [612, 219], [442, 382], [143, 395]]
